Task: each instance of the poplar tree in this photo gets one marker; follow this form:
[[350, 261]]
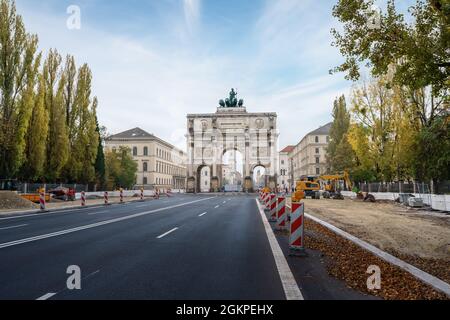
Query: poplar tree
[[17, 76], [34, 166], [57, 142], [84, 137]]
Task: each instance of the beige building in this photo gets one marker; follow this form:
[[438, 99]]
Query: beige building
[[308, 158], [160, 164], [284, 176]]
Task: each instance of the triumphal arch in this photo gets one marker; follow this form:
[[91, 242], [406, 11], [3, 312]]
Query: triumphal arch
[[212, 137]]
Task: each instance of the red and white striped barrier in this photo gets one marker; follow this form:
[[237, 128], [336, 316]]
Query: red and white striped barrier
[[142, 194], [42, 200], [121, 195], [281, 214], [83, 198], [273, 207], [296, 239], [106, 198], [267, 200]]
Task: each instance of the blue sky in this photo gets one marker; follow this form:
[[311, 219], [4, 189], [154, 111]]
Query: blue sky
[[154, 61]]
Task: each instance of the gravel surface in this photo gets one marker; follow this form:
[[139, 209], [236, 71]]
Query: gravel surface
[[12, 201]]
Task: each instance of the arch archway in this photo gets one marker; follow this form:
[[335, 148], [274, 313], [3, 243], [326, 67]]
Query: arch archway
[[259, 176], [204, 179], [232, 170]]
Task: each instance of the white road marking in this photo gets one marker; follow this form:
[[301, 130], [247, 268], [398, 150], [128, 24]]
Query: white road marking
[[93, 213], [13, 227], [290, 286], [94, 225], [46, 296], [224, 202], [201, 215], [167, 233], [216, 207]]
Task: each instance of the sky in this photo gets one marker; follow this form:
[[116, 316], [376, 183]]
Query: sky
[[154, 61]]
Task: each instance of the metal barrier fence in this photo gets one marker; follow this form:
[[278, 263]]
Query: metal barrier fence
[[405, 187]]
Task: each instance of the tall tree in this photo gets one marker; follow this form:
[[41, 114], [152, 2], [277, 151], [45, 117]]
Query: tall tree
[[85, 137], [339, 152], [34, 167], [100, 160], [18, 69], [57, 142]]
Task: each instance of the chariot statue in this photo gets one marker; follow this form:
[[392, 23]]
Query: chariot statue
[[232, 101]]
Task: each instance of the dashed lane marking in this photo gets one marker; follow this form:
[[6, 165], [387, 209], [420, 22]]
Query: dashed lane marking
[[46, 296], [13, 227], [94, 225], [201, 215], [167, 233]]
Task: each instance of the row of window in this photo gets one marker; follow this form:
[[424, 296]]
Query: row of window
[[165, 168], [283, 172], [159, 153], [163, 154]]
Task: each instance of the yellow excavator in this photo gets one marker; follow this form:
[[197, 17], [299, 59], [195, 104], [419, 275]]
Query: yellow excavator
[[331, 184]]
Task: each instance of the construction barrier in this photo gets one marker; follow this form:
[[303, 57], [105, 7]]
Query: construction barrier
[[267, 200], [296, 239], [83, 198], [142, 194], [273, 207], [121, 196], [106, 197], [281, 214], [42, 200]]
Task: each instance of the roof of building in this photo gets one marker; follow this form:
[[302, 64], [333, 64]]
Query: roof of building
[[288, 149], [130, 134], [322, 130], [140, 135]]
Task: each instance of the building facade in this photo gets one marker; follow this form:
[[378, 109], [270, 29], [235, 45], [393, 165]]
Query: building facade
[[284, 176], [308, 157], [160, 164]]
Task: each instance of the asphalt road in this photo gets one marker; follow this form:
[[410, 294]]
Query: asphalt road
[[185, 247]]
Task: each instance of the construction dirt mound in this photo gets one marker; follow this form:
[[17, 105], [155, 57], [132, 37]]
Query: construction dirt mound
[[10, 200]]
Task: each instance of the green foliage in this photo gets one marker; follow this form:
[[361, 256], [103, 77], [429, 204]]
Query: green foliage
[[57, 142], [48, 120], [432, 159], [339, 152], [17, 76], [121, 169], [100, 170]]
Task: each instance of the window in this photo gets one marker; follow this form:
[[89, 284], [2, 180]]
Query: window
[[145, 151], [317, 139], [317, 159], [145, 167], [317, 150], [328, 139], [145, 181], [135, 151], [317, 170], [206, 173], [282, 161]]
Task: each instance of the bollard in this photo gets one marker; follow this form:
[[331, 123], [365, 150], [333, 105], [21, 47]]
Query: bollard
[[121, 196], [106, 197], [273, 208], [142, 194], [42, 200], [83, 198], [281, 214], [266, 200], [296, 238]]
